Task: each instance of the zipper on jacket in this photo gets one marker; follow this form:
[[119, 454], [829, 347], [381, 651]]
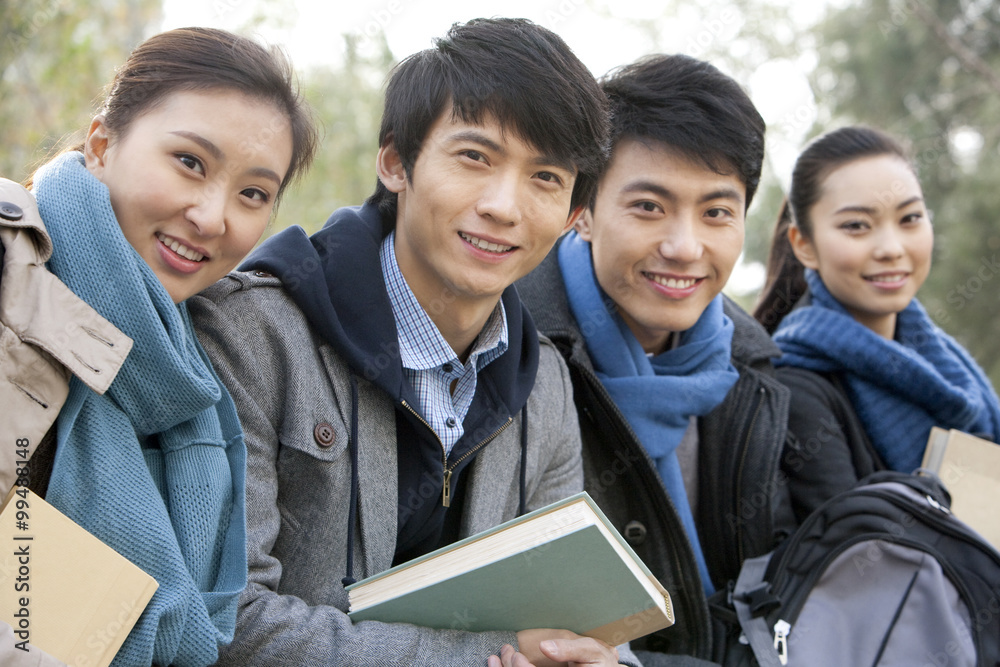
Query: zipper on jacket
[[692, 597], [758, 406], [448, 470]]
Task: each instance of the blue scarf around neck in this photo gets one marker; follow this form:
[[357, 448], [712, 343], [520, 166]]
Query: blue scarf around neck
[[899, 388], [155, 468], [657, 395]]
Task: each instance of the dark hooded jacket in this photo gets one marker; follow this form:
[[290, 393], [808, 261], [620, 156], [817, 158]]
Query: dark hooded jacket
[[358, 323], [305, 340], [742, 508]]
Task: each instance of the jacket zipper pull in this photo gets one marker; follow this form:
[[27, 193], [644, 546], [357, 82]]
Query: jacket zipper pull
[[446, 490], [781, 630]]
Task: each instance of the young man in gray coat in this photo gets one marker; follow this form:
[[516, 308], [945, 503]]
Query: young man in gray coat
[[393, 389], [682, 421]]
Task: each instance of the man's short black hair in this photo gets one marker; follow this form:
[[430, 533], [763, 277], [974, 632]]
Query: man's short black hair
[[510, 70], [688, 105]]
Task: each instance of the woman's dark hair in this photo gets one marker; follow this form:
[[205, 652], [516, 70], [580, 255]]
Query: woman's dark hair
[[200, 59], [518, 73], [785, 283]]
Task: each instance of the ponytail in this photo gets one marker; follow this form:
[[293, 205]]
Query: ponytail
[[786, 282]]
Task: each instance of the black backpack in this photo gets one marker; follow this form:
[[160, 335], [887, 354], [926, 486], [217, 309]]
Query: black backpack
[[882, 574]]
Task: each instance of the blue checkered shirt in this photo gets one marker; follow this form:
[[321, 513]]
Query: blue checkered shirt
[[429, 363]]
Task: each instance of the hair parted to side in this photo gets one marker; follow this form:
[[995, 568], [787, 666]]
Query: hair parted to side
[[688, 105], [785, 283], [518, 73], [204, 59]]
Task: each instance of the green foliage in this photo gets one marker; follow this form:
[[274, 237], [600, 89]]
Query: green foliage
[[348, 103], [928, 71], [55, 58]]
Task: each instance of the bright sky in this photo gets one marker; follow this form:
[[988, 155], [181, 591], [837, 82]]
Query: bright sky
[[603, 33]]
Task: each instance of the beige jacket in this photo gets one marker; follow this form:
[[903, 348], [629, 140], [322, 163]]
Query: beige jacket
[[46, 334]]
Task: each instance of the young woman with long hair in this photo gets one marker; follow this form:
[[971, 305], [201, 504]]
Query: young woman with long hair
[[870, 372]]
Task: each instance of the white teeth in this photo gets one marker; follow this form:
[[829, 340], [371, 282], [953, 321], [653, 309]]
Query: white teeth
[[180, 249], [888, 278], [485, 245], [673, 283]]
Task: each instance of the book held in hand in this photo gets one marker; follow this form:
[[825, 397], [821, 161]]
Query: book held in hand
[[563, 566], [62, 590], [969, 467]]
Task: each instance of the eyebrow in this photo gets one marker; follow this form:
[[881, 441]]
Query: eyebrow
[[660, 191], [871, 210], [216, 152], [540, 160]]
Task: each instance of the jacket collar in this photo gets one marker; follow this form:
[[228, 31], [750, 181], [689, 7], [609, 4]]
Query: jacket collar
[[358, 322], [41, 310]]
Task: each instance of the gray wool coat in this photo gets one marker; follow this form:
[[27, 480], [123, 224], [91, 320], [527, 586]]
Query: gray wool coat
[[292, 391]]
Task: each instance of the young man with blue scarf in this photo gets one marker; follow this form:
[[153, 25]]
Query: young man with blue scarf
[[385, 370], [682, 421]]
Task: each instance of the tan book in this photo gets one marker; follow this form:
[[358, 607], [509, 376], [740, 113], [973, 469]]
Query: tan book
[[61, 588], [970, 469], [562, 566]]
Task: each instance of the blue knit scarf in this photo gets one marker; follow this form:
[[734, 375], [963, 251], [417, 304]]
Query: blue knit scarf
[[899, 388], [155, 468], [657, 395]]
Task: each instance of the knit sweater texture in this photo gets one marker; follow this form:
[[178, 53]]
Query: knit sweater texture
[[155, 467], [899, 388]]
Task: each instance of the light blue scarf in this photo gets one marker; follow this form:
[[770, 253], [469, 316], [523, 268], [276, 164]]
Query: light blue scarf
[[657, 395], [899, 388], [155, 468]]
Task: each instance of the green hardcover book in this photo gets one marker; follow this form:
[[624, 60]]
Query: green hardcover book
[[562, 566]]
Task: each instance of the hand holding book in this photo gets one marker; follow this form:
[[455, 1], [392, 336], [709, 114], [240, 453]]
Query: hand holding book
[[560, 566], [569, 647]]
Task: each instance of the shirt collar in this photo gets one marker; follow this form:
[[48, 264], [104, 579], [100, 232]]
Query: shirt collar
[[421, 344]]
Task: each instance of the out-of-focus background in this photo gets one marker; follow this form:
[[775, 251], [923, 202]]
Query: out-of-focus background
[[927, 71]]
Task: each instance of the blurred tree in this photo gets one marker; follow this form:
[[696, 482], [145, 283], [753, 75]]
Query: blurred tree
[[56, 56], [749, 39], [928, 71], [347, 99]]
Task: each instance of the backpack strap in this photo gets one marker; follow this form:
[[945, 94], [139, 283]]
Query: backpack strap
[[749, 585]]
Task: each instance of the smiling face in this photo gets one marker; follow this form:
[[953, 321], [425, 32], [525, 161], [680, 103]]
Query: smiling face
[[193, 181], [665, 234], [481, 210], [871, 239]]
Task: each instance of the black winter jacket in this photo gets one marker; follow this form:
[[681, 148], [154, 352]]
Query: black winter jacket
[[828, 450], [742, 506]]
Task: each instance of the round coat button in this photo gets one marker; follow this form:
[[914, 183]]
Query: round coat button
[[10, 211], [324, 434], [635, 533]]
